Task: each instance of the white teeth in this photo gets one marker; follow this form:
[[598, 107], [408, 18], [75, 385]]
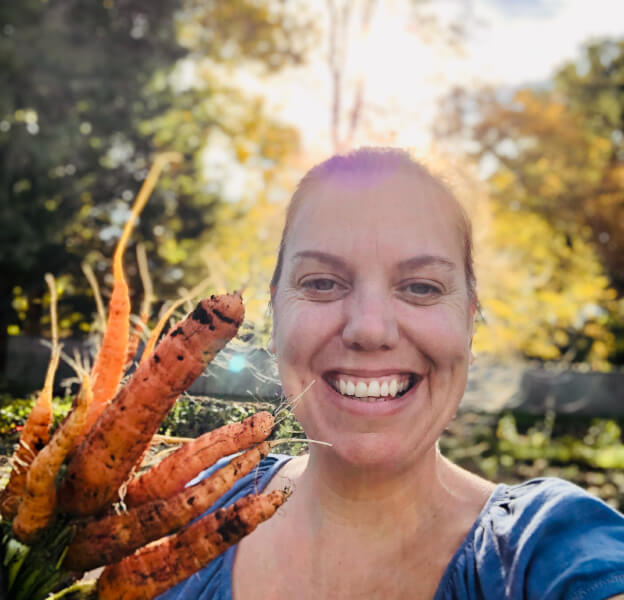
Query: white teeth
[[373, 389], [361, 390]]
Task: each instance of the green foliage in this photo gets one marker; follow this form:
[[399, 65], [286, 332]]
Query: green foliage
[[88, 93], [34, 571], [513, 448], [192, 416]]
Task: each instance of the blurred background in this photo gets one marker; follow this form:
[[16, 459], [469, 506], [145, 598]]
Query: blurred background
[[517, 104]]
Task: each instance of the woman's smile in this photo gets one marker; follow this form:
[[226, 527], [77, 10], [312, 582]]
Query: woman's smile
[[371, 389], [371, 397]]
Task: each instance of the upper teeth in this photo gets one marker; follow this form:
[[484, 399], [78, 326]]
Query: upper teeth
[[371, 388]]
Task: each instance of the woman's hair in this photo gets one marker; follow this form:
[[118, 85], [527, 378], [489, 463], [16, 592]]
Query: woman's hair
[[372, 163]]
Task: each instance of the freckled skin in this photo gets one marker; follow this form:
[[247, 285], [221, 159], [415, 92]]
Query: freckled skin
[[93, 476]]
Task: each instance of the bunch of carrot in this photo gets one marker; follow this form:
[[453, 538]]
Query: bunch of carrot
[[72, 502]]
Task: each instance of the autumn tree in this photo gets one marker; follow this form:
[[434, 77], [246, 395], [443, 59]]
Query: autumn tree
[[554, 159]]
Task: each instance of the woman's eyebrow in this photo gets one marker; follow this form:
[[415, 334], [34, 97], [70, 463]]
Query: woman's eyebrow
[[324, 257], [425, 260], [410, 264]]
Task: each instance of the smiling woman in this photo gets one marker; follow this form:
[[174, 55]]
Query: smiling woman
[[374, 298]]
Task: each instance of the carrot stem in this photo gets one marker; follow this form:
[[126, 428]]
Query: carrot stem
[[95, 288]]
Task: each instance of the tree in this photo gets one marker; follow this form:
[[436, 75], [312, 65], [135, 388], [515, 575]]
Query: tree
[[563, 146], [88, 92], [351, 21], [556, 163]]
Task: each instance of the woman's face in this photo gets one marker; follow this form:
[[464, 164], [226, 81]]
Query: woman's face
[[372, 299]]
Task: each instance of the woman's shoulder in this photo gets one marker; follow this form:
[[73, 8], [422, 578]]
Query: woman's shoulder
[[545, 538]]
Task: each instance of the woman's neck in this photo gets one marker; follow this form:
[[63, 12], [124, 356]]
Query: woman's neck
[[332, 495], [340, 530]]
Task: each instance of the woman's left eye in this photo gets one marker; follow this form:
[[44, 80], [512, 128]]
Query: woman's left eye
[[422, 290]]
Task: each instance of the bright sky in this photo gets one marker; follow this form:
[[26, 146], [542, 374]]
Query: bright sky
[[511, 42]]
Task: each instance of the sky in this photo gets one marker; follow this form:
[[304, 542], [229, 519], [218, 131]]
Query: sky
[[509, 43]]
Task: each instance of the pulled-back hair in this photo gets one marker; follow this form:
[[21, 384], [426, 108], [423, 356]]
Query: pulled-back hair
[[372, 163]]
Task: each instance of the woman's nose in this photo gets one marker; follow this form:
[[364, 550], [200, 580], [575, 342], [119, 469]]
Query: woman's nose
[[370, 323]]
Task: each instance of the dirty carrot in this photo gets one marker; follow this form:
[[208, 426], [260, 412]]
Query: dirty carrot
[[176, 470], [109, 539], [153, 338], [165, 563], [113, 446], [38, 504], [36, 432]]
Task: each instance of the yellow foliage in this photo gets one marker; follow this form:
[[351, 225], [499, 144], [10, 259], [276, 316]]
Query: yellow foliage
[[540, 291], [242, 252]]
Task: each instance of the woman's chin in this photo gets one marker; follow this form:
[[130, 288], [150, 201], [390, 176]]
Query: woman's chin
[[368, 451]]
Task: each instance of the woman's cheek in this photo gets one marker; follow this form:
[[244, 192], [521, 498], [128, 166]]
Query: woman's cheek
[[448, 338]]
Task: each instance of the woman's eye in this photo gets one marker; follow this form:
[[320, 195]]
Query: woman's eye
[[422, 290], [320, 285]]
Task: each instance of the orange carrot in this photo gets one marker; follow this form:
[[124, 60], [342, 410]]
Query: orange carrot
[[36, 432], [112, 447], [135, 338], [33, 438], [148, 294], [36, 509], [176, 470], [112, 537], [153, 338], [111, 359], [165, 563]]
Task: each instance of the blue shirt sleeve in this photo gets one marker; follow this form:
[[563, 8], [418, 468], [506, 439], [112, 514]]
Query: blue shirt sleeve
[[569, 545], [546, 539]]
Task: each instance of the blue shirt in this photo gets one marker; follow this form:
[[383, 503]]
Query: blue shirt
[[545, 539]]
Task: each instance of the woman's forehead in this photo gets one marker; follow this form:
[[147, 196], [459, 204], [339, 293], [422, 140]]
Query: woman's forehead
[[398, 207]]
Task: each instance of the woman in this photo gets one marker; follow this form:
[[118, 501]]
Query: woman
[[374, 300]]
